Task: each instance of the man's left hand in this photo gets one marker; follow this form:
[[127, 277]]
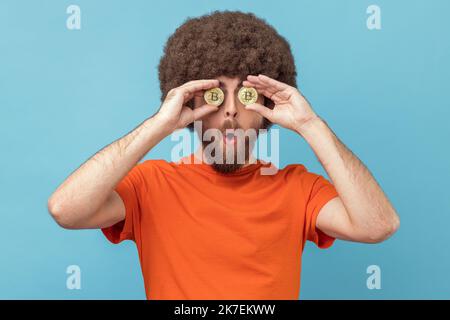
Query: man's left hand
[[291, 109]]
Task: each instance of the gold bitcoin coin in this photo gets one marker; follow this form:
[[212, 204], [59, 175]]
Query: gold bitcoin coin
[[247, 95], [214, 96]]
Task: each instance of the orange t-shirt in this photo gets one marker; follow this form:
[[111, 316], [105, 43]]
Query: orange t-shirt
[[205, 235]]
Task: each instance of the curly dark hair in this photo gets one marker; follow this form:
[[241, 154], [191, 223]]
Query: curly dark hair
[[225, 43]]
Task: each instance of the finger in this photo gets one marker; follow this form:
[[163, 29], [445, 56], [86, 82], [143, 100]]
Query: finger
[[202, 111], [196, 83], [254, 81], [206, 83], [266, 93], [199, 93], [259, 88], [258, 84], [247, 83], [196, 87], [253, 78], [262, 110], [272, 82], [276, 97], [269, 91], [281, 91], [189, 115]]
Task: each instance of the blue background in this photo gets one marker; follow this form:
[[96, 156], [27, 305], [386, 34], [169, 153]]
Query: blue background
[[65, 94]]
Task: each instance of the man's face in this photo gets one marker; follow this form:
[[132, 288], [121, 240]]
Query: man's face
[[230, 115]]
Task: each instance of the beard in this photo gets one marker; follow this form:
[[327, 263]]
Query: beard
[[232, 149], [230, 152]]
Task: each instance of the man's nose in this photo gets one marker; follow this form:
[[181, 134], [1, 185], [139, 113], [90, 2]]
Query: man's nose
[[230, 107]]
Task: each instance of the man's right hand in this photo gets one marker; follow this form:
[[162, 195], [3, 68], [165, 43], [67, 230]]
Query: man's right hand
[[175, 114], [87, 198]]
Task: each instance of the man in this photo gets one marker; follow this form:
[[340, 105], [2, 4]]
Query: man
[[224, 230]]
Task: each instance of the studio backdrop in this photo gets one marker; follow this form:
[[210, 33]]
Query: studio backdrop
[[77, 75]]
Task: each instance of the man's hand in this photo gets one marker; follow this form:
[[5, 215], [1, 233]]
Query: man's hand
[[98, 205], [173, 111], [291, 109], [362, 212]]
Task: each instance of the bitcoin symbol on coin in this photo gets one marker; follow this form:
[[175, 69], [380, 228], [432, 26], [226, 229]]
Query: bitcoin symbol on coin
[[247, 95], [214, 96]]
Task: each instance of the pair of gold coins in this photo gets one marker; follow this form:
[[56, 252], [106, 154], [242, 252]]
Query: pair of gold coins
[[246, 95]]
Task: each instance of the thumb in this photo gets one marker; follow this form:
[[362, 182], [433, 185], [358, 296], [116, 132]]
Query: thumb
[[262, 110], [204, 110]]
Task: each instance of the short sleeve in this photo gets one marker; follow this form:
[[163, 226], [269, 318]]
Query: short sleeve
[[130, 190], [319, 192]]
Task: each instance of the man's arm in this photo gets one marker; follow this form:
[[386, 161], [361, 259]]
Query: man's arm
[[362, 212], [86, 199]]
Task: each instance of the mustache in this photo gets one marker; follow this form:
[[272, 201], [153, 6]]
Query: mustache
[[230, 124]]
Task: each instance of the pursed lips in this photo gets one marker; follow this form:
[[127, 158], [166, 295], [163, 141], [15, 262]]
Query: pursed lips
[[229, 138]]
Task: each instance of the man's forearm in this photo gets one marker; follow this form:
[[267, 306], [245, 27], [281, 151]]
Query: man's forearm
[[364, 200], [87, 188]]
